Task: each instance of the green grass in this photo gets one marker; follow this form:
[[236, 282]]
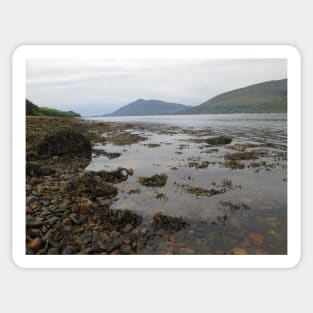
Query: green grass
[[35, 110]]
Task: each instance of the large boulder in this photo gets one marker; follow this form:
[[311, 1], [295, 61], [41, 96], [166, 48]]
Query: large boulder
[[65, 142]]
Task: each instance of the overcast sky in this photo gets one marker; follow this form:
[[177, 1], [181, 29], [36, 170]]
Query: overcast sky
[[92, 87]]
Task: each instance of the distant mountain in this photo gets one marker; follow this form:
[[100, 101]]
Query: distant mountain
[[35, 110], [149, 107], [267, 97]]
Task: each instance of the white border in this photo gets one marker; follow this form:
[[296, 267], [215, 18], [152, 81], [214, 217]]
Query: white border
[[22, 53]]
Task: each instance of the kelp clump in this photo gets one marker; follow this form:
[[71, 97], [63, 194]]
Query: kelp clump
[[158, 180], [168, 223], [91, 185]]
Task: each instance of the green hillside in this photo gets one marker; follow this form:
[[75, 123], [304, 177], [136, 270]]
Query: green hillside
[[267, 97], [35, 110]]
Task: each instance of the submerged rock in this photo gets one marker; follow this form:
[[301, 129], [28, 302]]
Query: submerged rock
[[153, 181], [168, 223]]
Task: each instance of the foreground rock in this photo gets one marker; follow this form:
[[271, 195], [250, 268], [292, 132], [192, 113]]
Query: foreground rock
[[65, 142]]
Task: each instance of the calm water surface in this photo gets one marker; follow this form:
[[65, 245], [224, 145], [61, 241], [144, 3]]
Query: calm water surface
[[257, 225]]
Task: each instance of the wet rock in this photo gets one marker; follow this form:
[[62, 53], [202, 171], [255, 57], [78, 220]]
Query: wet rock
[[68, 250], [49, 235], [53, 251], [126, 249], [272, 232], [34, 232], [29, 187], [67, 221], [168, 223], [83, 205], [191, 233], [45, 170], [104, 202], [186, 251], [67, 228], [256, 238], [52, 220], [79, 230], [127, 228], [75, 218], [116, 243], [33, 169], [62, 207], [34, 244], [31, 199], [35, 205], [144, 231], [115, 234], [239, 251], [105, 237], [34, 222], [158, 180]]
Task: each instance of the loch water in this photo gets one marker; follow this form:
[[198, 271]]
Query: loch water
[[250, 217]]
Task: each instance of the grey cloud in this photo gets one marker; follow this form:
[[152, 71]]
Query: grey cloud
[[101, 86]]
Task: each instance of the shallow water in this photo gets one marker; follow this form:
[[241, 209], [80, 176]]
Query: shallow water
[[257, 227]]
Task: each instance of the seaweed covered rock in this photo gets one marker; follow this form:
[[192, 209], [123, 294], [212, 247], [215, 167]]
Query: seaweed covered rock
[[64, 142], [91, 185], [158, 180], [168, 223], [220, 140], [33, 169], [117, 176], [120, 220]]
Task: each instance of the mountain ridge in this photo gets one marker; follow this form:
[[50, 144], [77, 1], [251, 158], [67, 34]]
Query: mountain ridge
[[148, 107], [265, 97]]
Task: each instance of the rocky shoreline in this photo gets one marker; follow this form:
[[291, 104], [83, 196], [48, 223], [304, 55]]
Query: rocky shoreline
[[68, 208], [197, 178]]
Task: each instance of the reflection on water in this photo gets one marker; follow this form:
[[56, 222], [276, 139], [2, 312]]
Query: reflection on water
[[249, 217]]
